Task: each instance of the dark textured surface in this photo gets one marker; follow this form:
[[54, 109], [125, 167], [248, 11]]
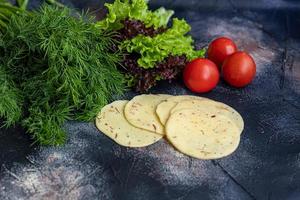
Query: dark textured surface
[[265, 166]]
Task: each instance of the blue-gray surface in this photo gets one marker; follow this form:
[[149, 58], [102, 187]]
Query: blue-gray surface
[[265, 166]]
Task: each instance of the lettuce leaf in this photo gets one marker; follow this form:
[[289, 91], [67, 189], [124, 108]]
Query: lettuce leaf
[[133, 9], [160, 18], [173, 42]]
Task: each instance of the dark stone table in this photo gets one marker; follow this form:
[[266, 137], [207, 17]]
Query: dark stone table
[[265, 166]]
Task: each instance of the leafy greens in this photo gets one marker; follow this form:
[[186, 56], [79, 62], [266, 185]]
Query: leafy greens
[[172, 42], [60, 66], [7, 10], [133, 9], [155, 51]]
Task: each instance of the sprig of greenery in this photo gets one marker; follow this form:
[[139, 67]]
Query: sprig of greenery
[[7, 10], [22, 4], [64, 67], [11, 99], [56, 3]]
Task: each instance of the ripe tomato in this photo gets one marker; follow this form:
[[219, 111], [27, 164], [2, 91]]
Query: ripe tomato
[[201, 75], [220, 49], [239, 69]]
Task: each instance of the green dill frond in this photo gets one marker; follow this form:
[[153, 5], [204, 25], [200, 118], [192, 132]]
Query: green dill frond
[[64, 66], [45, 122], [22, 4], [10, 99], [7, 10]]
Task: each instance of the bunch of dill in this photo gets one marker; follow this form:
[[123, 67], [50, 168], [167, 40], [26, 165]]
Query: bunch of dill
[[55, 66], [7, 9]]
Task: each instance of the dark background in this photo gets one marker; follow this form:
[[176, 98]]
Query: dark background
[[266, 164]]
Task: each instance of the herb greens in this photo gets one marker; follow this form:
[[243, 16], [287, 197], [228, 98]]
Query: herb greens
[[55, 67], [7, 10], [154, 49]]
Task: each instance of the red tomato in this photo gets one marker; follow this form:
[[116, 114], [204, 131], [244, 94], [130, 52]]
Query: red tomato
[[201, 75], [220, 49], [239, 69]]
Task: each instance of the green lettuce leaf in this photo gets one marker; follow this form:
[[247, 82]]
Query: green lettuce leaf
[[133, 9], [159, 18], [172, 42]]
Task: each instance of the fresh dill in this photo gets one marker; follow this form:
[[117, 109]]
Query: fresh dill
[[55, 67], [7, 10]]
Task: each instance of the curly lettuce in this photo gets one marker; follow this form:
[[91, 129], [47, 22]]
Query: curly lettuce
[[133, 9], [153, 50], [173, 42]]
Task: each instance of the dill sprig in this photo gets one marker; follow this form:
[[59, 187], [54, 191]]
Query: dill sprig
[[7, 9], [11, 99], [61, 66], [22, 4]]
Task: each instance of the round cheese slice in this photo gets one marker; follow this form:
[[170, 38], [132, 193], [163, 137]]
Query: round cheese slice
[[212, 108], [140, 112], [111, 121], [164, 108], [195, 134]]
